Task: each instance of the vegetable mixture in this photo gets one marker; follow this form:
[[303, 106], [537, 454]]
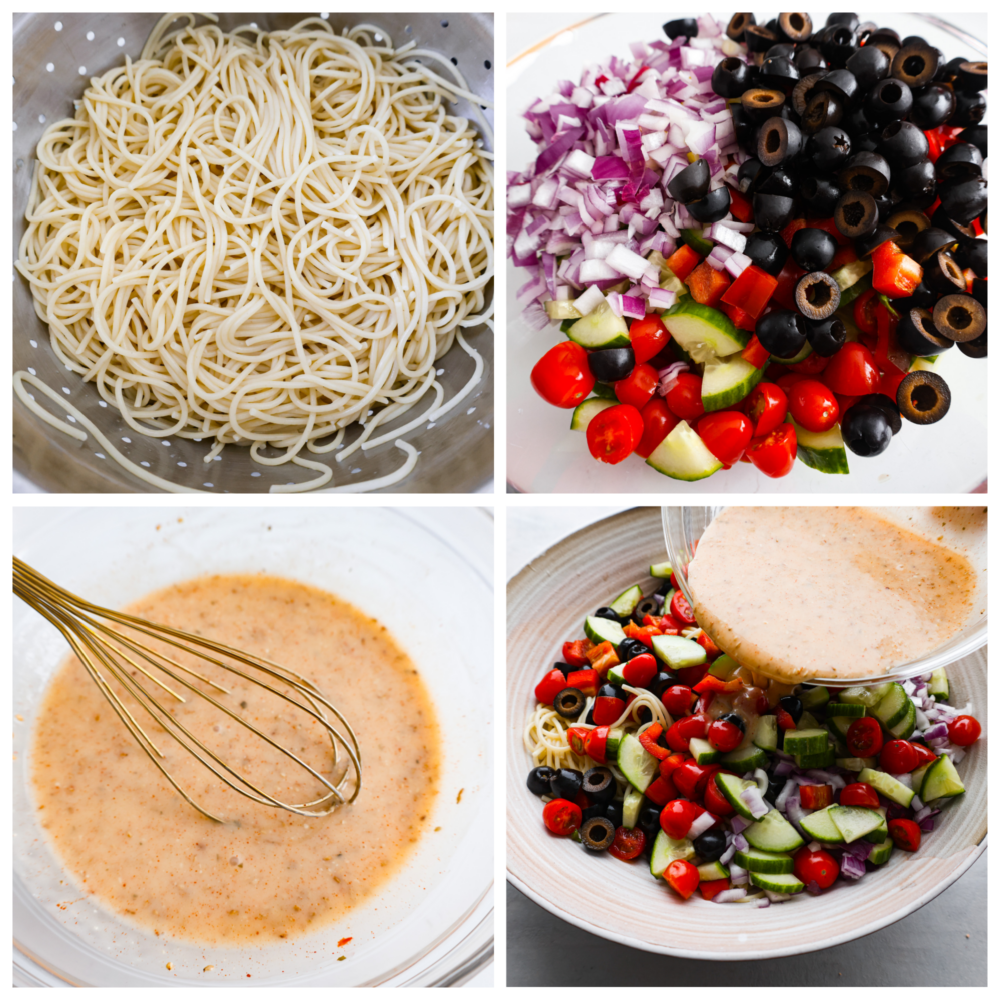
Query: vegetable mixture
[[733, 786], [757, 240]]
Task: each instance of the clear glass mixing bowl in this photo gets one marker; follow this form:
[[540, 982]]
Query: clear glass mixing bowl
[[684, 526]]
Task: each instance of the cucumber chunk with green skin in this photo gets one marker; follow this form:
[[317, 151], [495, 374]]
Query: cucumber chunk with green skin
[[712, 871], [677, 652], [824, 451], [637, 765], [615, 738], [666, 851], [773, 833], [854, 822], [867, 696], [844, 709], [724, 667], [625, 603], [566, 325], [808, 721], [801, 356], [732, 788], [766, 734], [562, 310], [600, 329], [661, 571], [697, 242], [605, 391], [703, 332], [848, 295], [683, 455], [764, 861], [777, 883], [881, 832], [726, 381], [814, 697], [806, 741], [631, 807], [917, 778], [941, 781], [856, 764], [938, 688], [903, 729], [850, 274], [586, 412], [881, 852], [702, 751], [891, 708], [822, 759], [888, 786], [745, 759], [616, 677], [839, 724], [820, 826], [603, 630]]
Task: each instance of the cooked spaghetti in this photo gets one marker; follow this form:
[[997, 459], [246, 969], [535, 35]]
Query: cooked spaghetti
[[263, 238]]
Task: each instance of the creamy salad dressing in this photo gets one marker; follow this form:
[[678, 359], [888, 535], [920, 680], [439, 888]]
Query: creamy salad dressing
[[794, 593]]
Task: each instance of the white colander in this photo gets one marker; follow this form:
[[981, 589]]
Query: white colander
[[53, 59]]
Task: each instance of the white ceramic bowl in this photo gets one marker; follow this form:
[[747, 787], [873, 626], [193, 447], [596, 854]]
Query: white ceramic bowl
[[427, 575], [546, 604], [544, 456]]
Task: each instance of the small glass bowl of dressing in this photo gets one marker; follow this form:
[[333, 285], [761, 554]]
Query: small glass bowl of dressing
[[954, 528]]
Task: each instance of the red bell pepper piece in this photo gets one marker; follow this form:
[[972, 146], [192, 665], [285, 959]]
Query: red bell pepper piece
[[596, 744], [575, 653], [709, 890], [648, 738], [740, 206], [644, 634], [711, 650], [712, 683], [816, 796], [892, 374], [844, 255], [690, 676], [661, 791], [587, 681], [788, 233], [683, 261], [667, 624], [741, 320], [706, 284], [603, 657], [549, 686], [893, 273], [785, 721], [576, 737], [788, 278], [755, 353], [751, 291], [671, 763]]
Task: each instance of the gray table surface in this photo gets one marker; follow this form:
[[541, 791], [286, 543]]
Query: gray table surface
[[942, 944]]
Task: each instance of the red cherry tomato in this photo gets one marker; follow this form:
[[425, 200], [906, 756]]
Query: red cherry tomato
[[715, 802], [844, 403], [562, 375], [813, 405], [864, 737], [640, 670], [686, 778], [681, 610], [726, 435], [864, 311], [680, 733], [677, 699], [785, 720], [613, 433], [657, 423], [628, 844], [684, 398], [724, 736], [812, 365], [852, 371], [774, 455], [562, 817], [925, 755], [692, 675], [596, 744], [898, 757], [607, 711], [905, 834], [860, 793], [649, 336], [767, 406], [789, 379], [676, 818], [964, 730], [638, 388], [815, 796], [816, 866], [682, 877]]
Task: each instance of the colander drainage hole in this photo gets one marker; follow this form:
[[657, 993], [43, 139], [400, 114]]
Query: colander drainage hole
[[182, 465], [488, 64], [65, 390], [454, 61], [41, 119], [102, 404], [90, 36], [83, 71], [211, 486], [254, 475], [121, 42], [15, 126], [127, 440], [58, 26], [49, 67], [326, 17], [99, 455], [444, 24], [31, 371], [145, 465]]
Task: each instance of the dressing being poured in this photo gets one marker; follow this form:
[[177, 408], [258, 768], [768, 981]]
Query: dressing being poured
[[835, 592]]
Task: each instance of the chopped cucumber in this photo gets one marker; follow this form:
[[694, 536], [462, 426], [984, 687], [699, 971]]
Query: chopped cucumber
[[856, 764], [917, 778], [820, 826], [724, 667], [636, 763], [823, 759], [712, 871], [600, 329], [808, 721], [867, 696], [625, 603], [888, 786], [605, 391], [562, 309], [777, 883], [903, 729], [586, 412], [703, 332], [773, 833], [848, 295], [928, 364], [631, 807], [661, 571], [891, 708], [703, 751], [614, 743], [814, 697], [880, 853], [850, 274], [745, 759], [732, 787], [845, 709], [839, 724], [683, 455], [806, 741], [764, 861], [941, 781], [854, 822], [938, 687], [665, 851], [823, 451], [603, 630], [801, 356], [616, 676], [697, 242], [766, 734], [677, 652], [726, 381], [881, 832]]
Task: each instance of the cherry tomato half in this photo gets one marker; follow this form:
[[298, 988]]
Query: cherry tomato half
[[864, 311], [816, 866], [562, 375], [649, 336], [638, 388], [657, 423], [925, 755], [684, 398], [905, 834], [640, 670], [726, 435], [562, 817], [767, 406], [898, 757], [852, 371], [811, 365], [679, 735], [859, 793], [813, 405], [613, 433], [715, 802], [628, 844], [724, 736], [964, 730], [681, 610], [676, 818], [687, 777], [864, 737], [682, 877], [774, 455], [677, 699]]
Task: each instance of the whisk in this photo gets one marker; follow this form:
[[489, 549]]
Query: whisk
[[104, 649]]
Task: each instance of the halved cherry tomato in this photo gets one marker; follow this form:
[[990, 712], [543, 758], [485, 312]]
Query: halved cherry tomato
[[905, 834], [575, 653], [726, 435], [858, 793], [661, 791], [715, 802], [964, 730], [682, 877], [596, 745], [674, 761], [774, 455], [628, 844], [640, 670], [864, 311], [767, 406], [724, 736], [607, 711], [576, 737], [677, 699], [898, 757], [638, 388], [816, 796], [687, 777], [813, 405], [812, 365], [649, 336], [681, 610], [562, 375], [864, 737], [852, 371], [549, 686], [709, 890], [684, 397], [613, 433], [790, 378], [679, 735], [562, 817], [676, 818], [816, 866], [657, 422]]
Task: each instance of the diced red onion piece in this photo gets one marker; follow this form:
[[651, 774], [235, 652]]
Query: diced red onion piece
[[737, 264], [629, 263], [633, 307], [615, 302], [662, 298], [729, 896], [597, 270], [589, 301], [704, 821], [718, 257]]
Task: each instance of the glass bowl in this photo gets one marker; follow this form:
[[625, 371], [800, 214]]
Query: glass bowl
[[684, 526]]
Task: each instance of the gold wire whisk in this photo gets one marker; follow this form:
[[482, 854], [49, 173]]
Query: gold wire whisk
[[105, 649]]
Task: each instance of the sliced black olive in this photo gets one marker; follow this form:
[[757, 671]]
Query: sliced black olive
[[710, 845], [982, 222], [948, 72], [792, 705], [565, 668], [784, 49], [842, 83], [915, 64], [540, 780], [884, 204], [612, 364], [976, 134], [750, 175], [855, 121], [959, 317], [691, 183], [779, 141], [932, 106], [761, 103], [797, 27], [813, 249], [888, 407], [826, 336], [856, 215], [683, 26], [767, 251], [565, 782], [884, 35], [782, 333], [772, 212], [917, 334], [851, 20], [973, 254], [759, 39], [866, 172], [780, 182], [869, 65], [969, 108], [598, 833], [649, 821], [599, 784], [928, 242], [960, 162], [731, 77], [802, 91], [941, 221], [915, 183], [775, 783], [823, 110], [569, 703], [711, 208], [974, 348], [923, 397], [922, 298], [907, 223], [734, 719], [821, 194], [828, 149], [869, 244], [888, 100], [963, 200], [817, 295], [629, 649], [647, 606], [913, 40], [738, 24], [979, 291], [742, 123], [942, 274], [808, 59], [777, 71], [971, 76], [903, 144], [837, 42], [866, 429], [610, 614]]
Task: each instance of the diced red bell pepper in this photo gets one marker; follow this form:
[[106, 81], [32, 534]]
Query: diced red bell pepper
[[751, 291], [607, 711], [709, 890], [596, 744], [888, 352], [575, 653], [648, 738], [711, 683], [667, 624], [788, 233], [816, 796], [740, 206], [893, 273], [711, 650], [644, 634], [603, 658], [549, 686], [741, 320], [671, 763], [661, 791], [788, 278], [706, 284], [576, 737], [755, 353], [683, 261], [864, 311], [587, 681]]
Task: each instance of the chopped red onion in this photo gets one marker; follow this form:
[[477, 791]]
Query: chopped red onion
[[662, 298], [718, 257], [852, 867], [754, 801], [812, 887], [740, 842], [813, 846], [668, 379], [727, 854], [740, 227], [738, 824], [826, 777], [704, 821], [795, 813], [615, 303], [633, 307], [729, 896], [629, 263], [737, 874], [737, 264], [589, 301], [776, 897], [597, 270], [760, 776]]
